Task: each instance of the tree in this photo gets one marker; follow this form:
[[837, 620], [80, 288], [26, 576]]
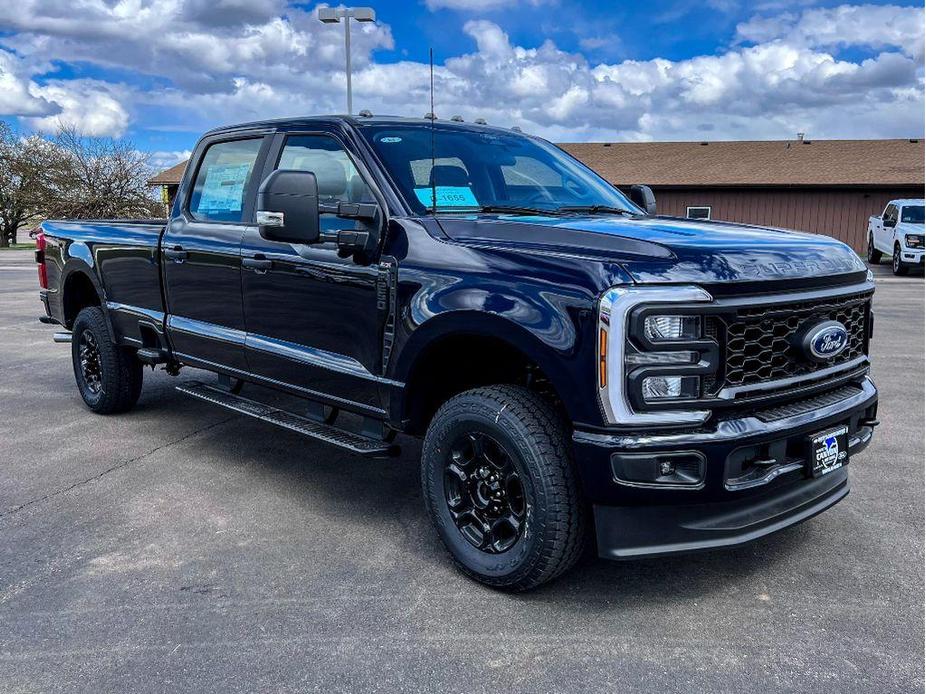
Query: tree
[[101, 178], [25, 164], [70, 176]]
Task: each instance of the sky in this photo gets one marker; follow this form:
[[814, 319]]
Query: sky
[[160, 72]]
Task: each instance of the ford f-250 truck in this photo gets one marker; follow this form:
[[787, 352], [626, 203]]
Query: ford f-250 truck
[[897, 232], [577, 366]]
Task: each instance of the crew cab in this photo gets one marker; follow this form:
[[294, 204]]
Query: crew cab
[[897, 232], [579, 367]]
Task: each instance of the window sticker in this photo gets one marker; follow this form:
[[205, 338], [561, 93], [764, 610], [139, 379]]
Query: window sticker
[[447, 196], [223, 189]]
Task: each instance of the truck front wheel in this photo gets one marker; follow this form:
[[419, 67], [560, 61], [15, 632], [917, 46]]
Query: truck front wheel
[[500, 487], [897, 264], [109, 377]]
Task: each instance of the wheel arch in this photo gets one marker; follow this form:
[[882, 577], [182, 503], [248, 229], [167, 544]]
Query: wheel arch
[[81, 288], [455, 352]]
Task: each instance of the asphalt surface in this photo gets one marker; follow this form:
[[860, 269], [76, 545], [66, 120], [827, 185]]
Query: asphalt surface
[[178, 548]]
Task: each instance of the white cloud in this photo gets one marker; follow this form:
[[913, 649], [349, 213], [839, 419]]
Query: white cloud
[[262, 61], [87, 105], [18, 94], [160, 160], [474, 5], [872, 26]]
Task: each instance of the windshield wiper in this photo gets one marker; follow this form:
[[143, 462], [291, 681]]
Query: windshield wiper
[[596, 208], [516, 209]]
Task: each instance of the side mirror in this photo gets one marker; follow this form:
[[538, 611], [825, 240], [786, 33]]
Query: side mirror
[[890, 222], [287, 207], [642, 196]]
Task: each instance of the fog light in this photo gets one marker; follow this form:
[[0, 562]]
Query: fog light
[[667, 328], [682, 469], [670, 387]]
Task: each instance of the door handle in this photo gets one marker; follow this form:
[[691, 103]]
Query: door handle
[[177, 254], [258, 264]]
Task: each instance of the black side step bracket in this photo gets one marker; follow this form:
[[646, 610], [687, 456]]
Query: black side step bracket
[[348, 440]]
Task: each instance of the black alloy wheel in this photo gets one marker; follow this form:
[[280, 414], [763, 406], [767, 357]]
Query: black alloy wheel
[[484, 493], [109, 377], [500, 486], [90, 365]]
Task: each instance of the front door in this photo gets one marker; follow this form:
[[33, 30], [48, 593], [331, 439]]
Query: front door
[[201, 255], [885, 240], [312, 317]]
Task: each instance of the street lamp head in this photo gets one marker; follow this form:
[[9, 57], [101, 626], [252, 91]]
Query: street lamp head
[[333, 15], [329, 15], [363, 14]]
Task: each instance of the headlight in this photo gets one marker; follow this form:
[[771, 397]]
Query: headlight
[[913, 240], [650, 357], [668, 328], [656, 388]]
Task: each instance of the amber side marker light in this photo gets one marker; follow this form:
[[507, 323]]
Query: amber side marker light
[[602, 358]]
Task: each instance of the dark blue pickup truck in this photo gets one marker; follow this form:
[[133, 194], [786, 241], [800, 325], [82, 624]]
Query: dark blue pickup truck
[[578, 366]]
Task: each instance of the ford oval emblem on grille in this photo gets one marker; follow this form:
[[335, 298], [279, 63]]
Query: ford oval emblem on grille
[[826, 340]]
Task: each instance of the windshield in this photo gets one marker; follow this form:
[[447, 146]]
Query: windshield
[[476, 170], [912, 213]]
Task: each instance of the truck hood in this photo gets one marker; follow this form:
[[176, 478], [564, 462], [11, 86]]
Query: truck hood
[[909, 228], [664, 249]]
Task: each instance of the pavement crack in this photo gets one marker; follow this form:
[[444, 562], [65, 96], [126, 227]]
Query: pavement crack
[[118, 466]]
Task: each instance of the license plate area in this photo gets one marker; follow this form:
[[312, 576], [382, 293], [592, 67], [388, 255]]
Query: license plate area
[[829, 451]]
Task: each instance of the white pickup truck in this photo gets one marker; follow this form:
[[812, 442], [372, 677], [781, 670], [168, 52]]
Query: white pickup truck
[[897, 232]]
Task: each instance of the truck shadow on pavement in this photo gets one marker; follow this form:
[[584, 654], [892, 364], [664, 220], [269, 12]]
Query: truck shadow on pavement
[[380, 501]]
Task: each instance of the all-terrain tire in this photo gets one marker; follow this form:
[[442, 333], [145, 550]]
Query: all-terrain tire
[[117, 375], [533, 436]]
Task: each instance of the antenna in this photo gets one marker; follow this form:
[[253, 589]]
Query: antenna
[[433, 157]]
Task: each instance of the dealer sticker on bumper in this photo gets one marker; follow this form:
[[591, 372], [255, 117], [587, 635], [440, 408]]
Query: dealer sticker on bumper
[[829, 451]]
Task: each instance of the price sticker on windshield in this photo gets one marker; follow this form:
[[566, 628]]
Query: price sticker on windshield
[[447, 196]]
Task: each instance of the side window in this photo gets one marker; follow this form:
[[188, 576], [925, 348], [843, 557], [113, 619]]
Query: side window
[[337, 177], [702, 212], [223, 176], [890, 213]]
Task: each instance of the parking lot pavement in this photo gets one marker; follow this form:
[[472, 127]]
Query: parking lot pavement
[[180, 548]]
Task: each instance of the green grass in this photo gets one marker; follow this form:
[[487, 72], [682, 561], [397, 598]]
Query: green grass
[[19, 247]]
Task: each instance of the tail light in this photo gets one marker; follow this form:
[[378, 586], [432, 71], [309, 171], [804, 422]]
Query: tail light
[[40, 259]]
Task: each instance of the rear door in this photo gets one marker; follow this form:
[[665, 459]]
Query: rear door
[[201, 253], [313, 322]]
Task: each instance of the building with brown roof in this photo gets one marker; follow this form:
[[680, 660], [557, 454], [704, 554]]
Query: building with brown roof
[[823, 186]]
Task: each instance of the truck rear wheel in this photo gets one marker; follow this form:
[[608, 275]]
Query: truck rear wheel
[[874, 255], [500, 487], [109, 377]]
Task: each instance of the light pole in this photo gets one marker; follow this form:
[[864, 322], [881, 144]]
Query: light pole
[[333, 15]]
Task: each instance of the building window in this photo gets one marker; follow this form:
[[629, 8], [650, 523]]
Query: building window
[[698, 213]]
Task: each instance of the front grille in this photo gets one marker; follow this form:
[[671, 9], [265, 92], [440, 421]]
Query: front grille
[[758, 341]]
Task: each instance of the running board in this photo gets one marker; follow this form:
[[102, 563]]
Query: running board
[[348, 440]]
